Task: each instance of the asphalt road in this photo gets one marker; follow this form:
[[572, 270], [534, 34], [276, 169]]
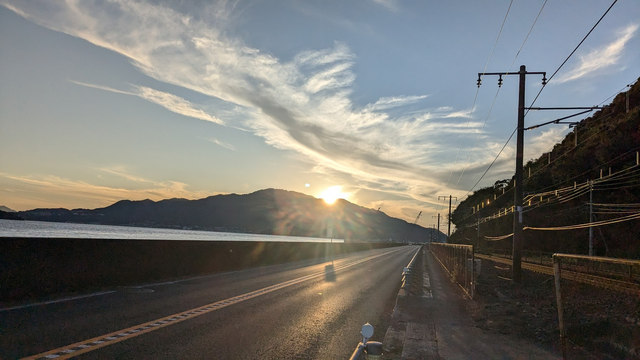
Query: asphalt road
[[305, 310]]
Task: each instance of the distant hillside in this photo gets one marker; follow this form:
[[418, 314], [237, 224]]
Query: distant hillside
[[270, 211], [6, 209], [557, 185]]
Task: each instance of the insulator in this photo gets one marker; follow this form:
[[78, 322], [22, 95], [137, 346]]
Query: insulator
[[544, 80]]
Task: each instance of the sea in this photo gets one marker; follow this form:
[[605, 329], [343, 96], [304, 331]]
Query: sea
[[42, 229]]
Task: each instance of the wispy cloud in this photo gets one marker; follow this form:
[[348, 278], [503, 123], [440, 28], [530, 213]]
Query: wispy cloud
[[105, 88], [389, 4], [394, 101], [168, 101], [175, 104], [221, 143], [303, 105], [53, 191], [601, 58]]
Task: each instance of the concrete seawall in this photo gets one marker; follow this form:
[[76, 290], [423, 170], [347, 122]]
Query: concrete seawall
[[34, 268]]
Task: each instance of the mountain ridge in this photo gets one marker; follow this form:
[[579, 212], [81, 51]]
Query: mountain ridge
[[266, 211]]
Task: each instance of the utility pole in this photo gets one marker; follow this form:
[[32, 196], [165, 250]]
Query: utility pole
[[590, 217], [432, 227], [438, 230], [449, 222], [517, 214]]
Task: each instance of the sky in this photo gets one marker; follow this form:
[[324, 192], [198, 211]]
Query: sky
[[373, 100]]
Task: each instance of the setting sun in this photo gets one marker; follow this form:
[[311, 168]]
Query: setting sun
[[332, 194]]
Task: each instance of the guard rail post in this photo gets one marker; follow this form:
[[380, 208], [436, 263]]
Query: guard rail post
[[557, 276], [373, 349], [407, 279]]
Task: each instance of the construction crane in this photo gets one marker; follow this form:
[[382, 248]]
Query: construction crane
[[410, 232], [417, 218]]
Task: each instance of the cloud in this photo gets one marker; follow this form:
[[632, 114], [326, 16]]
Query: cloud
[[601, 58], [395, 101], [53, 191], [168, 101], [220, 143], [303, 105], [100, 87], [391, 5], [175, 104]]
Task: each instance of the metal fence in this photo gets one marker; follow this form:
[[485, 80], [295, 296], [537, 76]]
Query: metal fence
[[620, 275], [460, 262]]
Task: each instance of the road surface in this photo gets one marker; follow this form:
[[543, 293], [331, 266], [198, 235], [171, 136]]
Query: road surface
[[305, 310]]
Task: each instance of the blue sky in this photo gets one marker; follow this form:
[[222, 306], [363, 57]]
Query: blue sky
[[109, 100]]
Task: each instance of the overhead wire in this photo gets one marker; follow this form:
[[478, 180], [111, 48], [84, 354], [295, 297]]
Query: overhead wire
[[628, 176], [498, 91], [572, 227], [476, 97], [568, 57], [493, 162], [553, 75]]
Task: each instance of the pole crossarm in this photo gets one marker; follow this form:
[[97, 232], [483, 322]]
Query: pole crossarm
[[501, 74], [557, 121], [565, 108]]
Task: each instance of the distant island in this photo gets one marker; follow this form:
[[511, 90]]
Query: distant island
[[269, 211]]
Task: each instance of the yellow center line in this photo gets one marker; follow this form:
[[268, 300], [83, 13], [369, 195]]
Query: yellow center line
[[95, 343]]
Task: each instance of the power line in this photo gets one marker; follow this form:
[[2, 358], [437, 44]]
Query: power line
[[476, 96], [574, 50], [544, 85], [498, 91], [572, 227], [493, 162]]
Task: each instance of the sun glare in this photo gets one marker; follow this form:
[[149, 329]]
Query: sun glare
[[332, 194]]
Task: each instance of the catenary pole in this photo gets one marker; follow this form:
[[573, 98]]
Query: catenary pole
[[516, 268], [449, 218]]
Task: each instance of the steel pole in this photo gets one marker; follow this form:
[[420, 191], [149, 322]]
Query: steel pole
[[517, 220], [590, 217], [449, 222]]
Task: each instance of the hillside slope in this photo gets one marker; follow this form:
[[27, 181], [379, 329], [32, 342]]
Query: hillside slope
[[557, 191]]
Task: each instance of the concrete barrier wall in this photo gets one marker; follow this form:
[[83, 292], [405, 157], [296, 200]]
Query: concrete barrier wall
[[34, 268]]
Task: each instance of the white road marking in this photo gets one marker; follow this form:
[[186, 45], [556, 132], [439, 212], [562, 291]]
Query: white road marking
[[117, 336], [56, 301]]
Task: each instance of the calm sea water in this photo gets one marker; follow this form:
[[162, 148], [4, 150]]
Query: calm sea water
[[40, 229]]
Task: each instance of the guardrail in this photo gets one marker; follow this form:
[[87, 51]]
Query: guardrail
[[460, 262], [407, 279], [407, 272], [590, 267]]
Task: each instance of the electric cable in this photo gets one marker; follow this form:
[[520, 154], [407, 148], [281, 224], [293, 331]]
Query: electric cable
[[455, 162], [568, 57], [498, 91]]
